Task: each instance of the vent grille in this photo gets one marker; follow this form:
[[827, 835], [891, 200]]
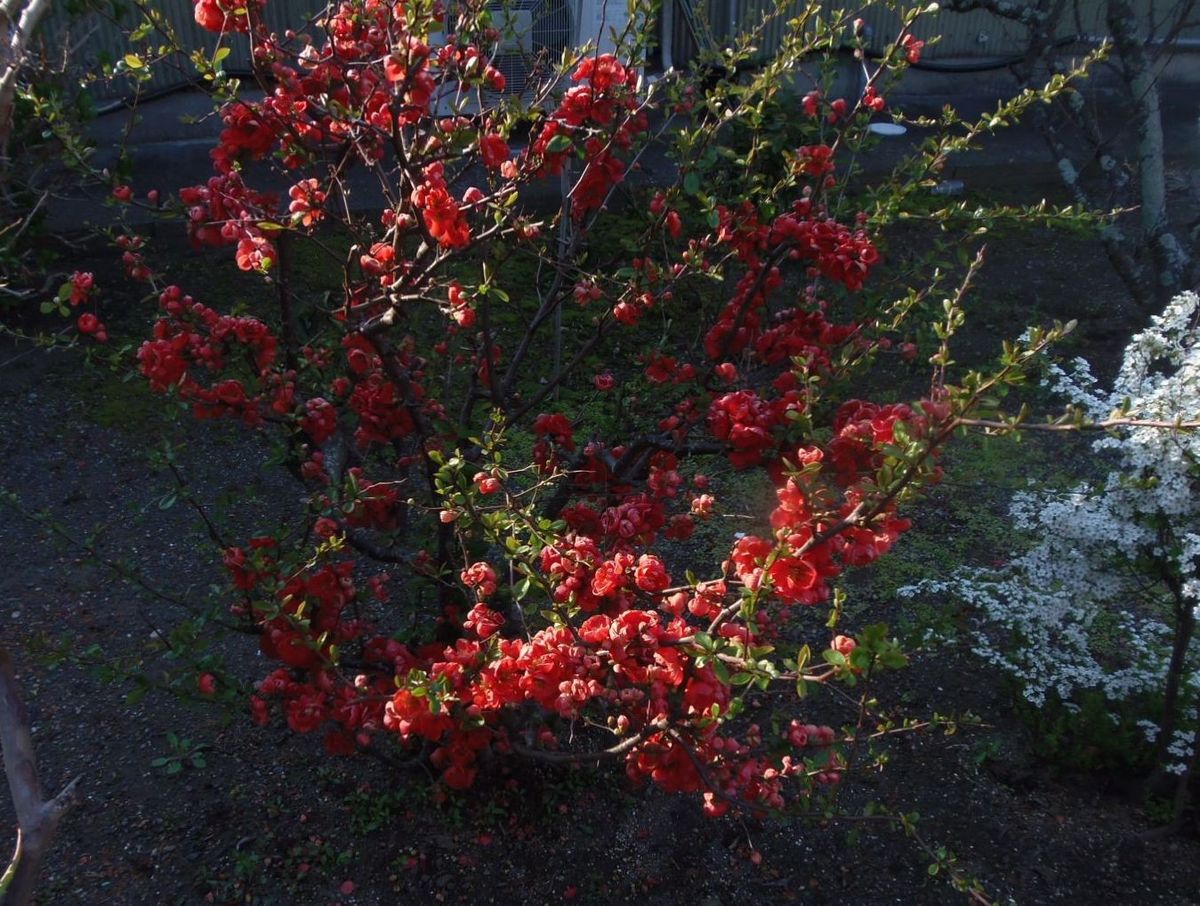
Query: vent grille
[[535, 34]]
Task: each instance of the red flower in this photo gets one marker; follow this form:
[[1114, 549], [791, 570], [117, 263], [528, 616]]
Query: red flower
[[743, 421], [912, 48], [651, 576], [82, 284], [483, 621], [486, 483], [814, 160], [255, 253], [872, 101], [793, 578], [320, 420], [481, 577], [493, 150], [307, 199], [224, 15]]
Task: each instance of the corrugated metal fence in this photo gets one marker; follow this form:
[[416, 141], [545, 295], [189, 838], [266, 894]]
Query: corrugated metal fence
[[94, 39]]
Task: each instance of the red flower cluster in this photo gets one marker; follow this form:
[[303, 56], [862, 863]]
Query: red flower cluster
[[744, 421], [603, 108], [224, 212], [814, 160], [444, 219], [373, 504], [193, 337]]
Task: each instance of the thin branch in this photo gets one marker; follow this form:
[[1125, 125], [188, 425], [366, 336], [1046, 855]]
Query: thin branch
[[1102, 425], [620, 749]]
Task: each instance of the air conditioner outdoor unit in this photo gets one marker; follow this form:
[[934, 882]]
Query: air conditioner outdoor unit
[[536, 33]]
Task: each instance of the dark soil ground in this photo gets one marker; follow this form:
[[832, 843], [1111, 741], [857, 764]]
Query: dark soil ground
[[269, 818]]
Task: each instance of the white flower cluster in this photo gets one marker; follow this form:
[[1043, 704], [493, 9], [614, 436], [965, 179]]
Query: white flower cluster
[[1085, 608]]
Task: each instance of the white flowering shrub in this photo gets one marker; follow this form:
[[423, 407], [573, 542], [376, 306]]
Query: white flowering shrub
[[1105, 601]]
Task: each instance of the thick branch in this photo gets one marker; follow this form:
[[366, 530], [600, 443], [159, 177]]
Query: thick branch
[[1024, 13]]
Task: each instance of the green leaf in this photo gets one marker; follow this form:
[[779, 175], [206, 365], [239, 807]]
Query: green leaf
[[221, 54], [133, 61], [174, 767], [803, 656], [893, 659], [559, 144], [691, 183]]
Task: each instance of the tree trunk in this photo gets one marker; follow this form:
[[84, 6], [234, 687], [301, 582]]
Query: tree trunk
[[37, 819], [18, 21], [1170, 258], [1185, 626]]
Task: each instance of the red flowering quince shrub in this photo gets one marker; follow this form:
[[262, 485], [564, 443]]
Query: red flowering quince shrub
[[455, 597]]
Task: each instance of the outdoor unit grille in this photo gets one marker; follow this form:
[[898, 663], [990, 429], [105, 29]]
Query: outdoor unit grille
[[535, 33]]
